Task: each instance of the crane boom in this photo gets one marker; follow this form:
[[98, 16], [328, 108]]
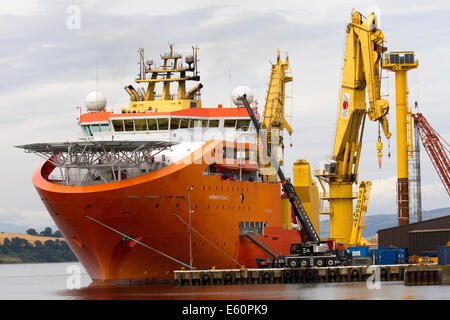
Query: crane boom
[[273, 119], [288, 188], [360, 212], [436, 149]]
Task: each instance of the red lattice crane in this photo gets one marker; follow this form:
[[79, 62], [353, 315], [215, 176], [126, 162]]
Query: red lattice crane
[[436, 147]]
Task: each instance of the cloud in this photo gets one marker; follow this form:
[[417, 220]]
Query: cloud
[[19, 8], [383, 196]]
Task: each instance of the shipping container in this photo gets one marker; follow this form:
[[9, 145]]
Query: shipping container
[[384, 256], [387, 256], [443, 255], [402, 255], [427, 240], [359, 251]]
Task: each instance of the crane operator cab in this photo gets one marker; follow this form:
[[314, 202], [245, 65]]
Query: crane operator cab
[[328, 168]]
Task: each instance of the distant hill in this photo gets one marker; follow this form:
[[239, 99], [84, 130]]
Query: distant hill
[[383, 221]]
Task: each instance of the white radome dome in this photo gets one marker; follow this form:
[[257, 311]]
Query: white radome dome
[[238, 92], [95, 101]]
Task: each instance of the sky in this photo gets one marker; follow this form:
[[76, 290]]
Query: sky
[[54, 53]]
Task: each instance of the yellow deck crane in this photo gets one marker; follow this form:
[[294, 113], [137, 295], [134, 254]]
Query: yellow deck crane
[[273, 123], [273, 120], [361, 72]]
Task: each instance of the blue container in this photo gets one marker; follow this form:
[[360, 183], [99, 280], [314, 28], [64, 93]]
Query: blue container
[[402, 255], [388, 256], [384, 256], [359, 251], [443, 255]]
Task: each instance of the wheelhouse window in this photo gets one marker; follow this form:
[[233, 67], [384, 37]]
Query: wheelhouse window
[[118, 125], [213, 123], [194, 123], [95, 128], [152, 125], [174, 123], [243, 124], [184, 123], [140, 124], [204, 123], [163, 123], [229, 123], [128, 125], [86, 130], [105, 127]]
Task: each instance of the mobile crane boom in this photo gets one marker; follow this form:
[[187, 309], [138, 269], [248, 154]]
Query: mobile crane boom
[[288, 188]]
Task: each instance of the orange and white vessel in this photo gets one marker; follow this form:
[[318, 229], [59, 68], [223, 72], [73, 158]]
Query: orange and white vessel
[[163, 184]]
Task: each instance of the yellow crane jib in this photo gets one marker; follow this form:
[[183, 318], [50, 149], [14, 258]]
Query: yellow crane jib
[[360, 213], [273, 119], [273, 116]]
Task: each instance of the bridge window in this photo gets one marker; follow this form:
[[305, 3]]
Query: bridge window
[[128, 125], [140, 124], [105, 127], [152, 125], [86, 130], [204, 123], [243, 124], [194, 123], [118, 125], [213, 123], [174, 123], [95, 128], [184, 123], [229, 123], [163, 123]]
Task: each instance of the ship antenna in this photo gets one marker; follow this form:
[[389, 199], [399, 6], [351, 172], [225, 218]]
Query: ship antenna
[[96, 81]]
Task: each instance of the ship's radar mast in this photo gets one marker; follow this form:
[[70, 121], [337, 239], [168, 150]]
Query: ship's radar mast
[[171, 70]]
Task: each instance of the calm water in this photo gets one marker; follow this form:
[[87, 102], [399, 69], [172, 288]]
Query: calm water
[[48, 281]]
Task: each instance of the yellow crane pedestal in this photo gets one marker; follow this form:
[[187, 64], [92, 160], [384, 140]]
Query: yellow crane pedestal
[[400, 63]]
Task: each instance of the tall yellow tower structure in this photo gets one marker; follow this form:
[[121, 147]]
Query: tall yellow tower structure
[[400, 63]]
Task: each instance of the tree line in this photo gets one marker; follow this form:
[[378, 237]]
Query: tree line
[[47, 232], [20, 250]]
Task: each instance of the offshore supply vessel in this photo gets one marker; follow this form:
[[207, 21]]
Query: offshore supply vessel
[[166, 183]]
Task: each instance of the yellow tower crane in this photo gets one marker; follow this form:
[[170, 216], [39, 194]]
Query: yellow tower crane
[[361, 72], [400, 63]]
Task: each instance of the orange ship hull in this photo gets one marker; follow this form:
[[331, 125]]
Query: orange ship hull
[[153, 209]]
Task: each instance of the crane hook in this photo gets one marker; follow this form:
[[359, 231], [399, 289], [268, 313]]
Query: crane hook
[[379, 153]]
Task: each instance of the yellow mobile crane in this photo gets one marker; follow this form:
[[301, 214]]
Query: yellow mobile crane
[[361, 72]]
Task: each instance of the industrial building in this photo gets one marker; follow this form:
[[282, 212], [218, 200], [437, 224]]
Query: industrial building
[[417, 237]]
